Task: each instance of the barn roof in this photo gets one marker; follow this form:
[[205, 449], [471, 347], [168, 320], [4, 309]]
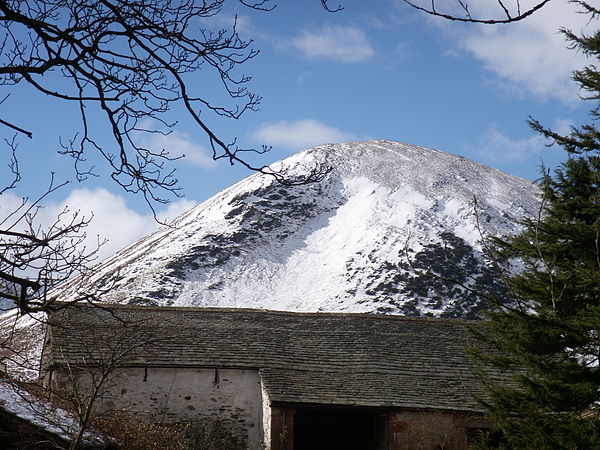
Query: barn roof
[[317, 358]]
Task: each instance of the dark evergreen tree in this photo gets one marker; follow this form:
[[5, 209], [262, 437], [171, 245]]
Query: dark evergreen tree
[[550, 336]]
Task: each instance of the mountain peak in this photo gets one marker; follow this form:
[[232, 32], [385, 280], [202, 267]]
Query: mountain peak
[[381, 232]]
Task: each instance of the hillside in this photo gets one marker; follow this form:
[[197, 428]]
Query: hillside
[[391, 229]]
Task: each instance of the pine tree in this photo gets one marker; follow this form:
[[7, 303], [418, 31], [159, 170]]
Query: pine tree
[[550, 337]]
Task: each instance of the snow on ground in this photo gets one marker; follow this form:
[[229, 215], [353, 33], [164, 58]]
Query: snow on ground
[[359, 241], [328, 246], [20, 402], [21, 342]]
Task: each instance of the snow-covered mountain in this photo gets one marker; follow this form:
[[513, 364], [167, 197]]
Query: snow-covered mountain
[[362, 240]]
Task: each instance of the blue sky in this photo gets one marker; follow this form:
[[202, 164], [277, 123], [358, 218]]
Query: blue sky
[[376, 70]]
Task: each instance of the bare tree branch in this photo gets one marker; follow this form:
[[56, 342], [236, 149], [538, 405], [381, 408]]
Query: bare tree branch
[[131, 63], [462, 12], [35, 258], [128, 63]]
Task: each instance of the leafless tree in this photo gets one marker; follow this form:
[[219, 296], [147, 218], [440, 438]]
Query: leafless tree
[[77, 377], [496, 11], [90, 376], [35, 259], [132, 64]]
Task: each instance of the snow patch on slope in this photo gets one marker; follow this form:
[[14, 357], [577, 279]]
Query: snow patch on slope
[[358, 241]]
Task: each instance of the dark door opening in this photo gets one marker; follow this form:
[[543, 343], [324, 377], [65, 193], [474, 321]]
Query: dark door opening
[[331, 430]]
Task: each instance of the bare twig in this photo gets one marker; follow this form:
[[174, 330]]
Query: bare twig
[[509, 16]]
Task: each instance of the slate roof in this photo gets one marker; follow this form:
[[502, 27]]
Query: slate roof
[[316, 358]]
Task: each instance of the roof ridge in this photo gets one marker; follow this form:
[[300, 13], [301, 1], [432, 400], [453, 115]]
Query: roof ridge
[[372, 315]]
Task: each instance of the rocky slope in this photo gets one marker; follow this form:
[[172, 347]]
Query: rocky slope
[[391, 229]]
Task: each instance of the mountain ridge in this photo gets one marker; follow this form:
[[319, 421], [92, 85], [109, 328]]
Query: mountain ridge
[[380, 233]]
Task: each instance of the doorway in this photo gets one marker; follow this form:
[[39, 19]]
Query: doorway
[[318, 429]]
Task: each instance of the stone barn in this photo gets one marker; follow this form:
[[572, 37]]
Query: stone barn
[[285, 380]]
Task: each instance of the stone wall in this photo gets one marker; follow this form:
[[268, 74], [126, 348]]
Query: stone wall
[[184, 395]]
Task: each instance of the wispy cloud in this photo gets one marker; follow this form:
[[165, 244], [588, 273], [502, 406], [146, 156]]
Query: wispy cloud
[[344, 44], [496, 146], [177, 143], [243, 24], [530, 55], [298, 134]]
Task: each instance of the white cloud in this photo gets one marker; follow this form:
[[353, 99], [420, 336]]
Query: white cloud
[[243, 24], [335, 43], [298, 134], [497, 147], [9, 202], [175, 209], [531, 54], [563, 126], [112, 219], [177, 143]]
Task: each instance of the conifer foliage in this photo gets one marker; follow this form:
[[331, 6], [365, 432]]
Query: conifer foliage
[[550, 336]]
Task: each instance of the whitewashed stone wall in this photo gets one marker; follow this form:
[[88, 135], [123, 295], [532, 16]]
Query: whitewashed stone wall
[[187, 395]]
